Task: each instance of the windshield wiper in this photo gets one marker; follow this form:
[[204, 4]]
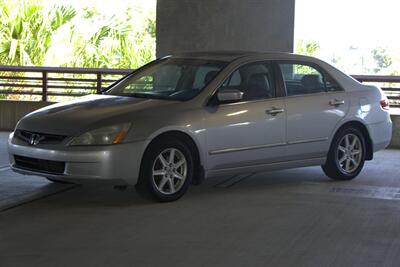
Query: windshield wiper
[[139, 95], [146, 95]]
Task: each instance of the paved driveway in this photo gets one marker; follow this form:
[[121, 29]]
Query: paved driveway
[[288, 218]]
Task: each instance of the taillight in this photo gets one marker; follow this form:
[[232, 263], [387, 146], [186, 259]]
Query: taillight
[[384, 104]]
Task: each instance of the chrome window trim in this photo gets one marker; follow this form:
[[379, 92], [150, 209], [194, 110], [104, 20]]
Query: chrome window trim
[[251, 101], [315, 94], [280, 98]]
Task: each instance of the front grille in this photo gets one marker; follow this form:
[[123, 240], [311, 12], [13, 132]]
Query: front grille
[[34, 138], [40, 165]]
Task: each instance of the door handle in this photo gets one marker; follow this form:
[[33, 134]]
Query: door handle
[[273, 111], [336, 102]]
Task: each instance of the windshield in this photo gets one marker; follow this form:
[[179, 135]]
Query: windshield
[[171, 79]]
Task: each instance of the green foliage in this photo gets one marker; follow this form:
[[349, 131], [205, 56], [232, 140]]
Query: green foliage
[[26, 30], [151, 27], [33, 33], [115, 43], [382, 59], [307, 48], [125, 40], [303, 69]]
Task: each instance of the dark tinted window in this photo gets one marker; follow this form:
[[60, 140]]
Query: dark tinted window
[[255, 80], [303, 79]]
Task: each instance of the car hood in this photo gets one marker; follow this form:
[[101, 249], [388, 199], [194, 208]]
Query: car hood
[[88, 112]]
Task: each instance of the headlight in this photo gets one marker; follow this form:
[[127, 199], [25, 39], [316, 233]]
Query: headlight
[[103, 136]]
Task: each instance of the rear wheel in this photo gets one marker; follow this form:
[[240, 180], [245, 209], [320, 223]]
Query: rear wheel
[[346, 156], [167, 170]]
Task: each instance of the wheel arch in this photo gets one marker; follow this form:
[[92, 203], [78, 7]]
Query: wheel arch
[[189, 140], [364, 131]]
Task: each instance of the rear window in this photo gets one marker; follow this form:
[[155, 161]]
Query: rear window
[[302, 78]]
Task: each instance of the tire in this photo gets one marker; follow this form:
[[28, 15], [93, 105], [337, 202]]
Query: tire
[[346, 155], [162, 178]]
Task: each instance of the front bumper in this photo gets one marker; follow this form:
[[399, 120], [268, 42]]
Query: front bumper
[[109, 163]]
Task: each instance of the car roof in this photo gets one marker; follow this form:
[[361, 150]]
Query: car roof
[[233, 55], [216, 55]]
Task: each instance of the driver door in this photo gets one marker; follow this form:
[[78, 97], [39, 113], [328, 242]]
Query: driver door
[[249, 132]]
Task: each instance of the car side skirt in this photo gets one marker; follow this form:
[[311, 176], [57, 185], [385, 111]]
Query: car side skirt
[[267, 167]]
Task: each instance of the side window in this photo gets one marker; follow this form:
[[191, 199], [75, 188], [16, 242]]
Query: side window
[[331, 85], [234, 81], [255, 80], [303, 79]]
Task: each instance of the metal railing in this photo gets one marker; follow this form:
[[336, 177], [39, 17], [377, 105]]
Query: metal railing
[[55, 81], [389, 84], [46, 82]]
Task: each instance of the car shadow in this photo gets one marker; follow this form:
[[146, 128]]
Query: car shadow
[[218, 188]]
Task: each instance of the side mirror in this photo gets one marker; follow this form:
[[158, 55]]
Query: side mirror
[[229, 95]]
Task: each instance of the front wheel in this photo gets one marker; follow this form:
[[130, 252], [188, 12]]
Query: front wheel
[[346, 156], [167, 170]]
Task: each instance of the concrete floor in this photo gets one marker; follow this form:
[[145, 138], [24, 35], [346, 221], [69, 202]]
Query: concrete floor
[[288, 218], [17, 189]]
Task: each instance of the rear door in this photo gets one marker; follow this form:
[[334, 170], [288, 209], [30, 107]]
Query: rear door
[[315, 103]]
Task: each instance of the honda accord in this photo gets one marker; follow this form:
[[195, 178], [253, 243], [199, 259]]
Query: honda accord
[[183, 118]]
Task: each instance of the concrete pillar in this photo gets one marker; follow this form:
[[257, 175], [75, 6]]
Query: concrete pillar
[[201, 25]]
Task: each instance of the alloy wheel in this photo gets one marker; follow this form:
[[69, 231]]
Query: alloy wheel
[[169, 171], [349, 153]]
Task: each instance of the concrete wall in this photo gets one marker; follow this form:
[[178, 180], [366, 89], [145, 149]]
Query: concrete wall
[[12, 111], [193, 25], [396, 131]]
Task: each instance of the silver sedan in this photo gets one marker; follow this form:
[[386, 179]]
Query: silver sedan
[[184, 118]]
